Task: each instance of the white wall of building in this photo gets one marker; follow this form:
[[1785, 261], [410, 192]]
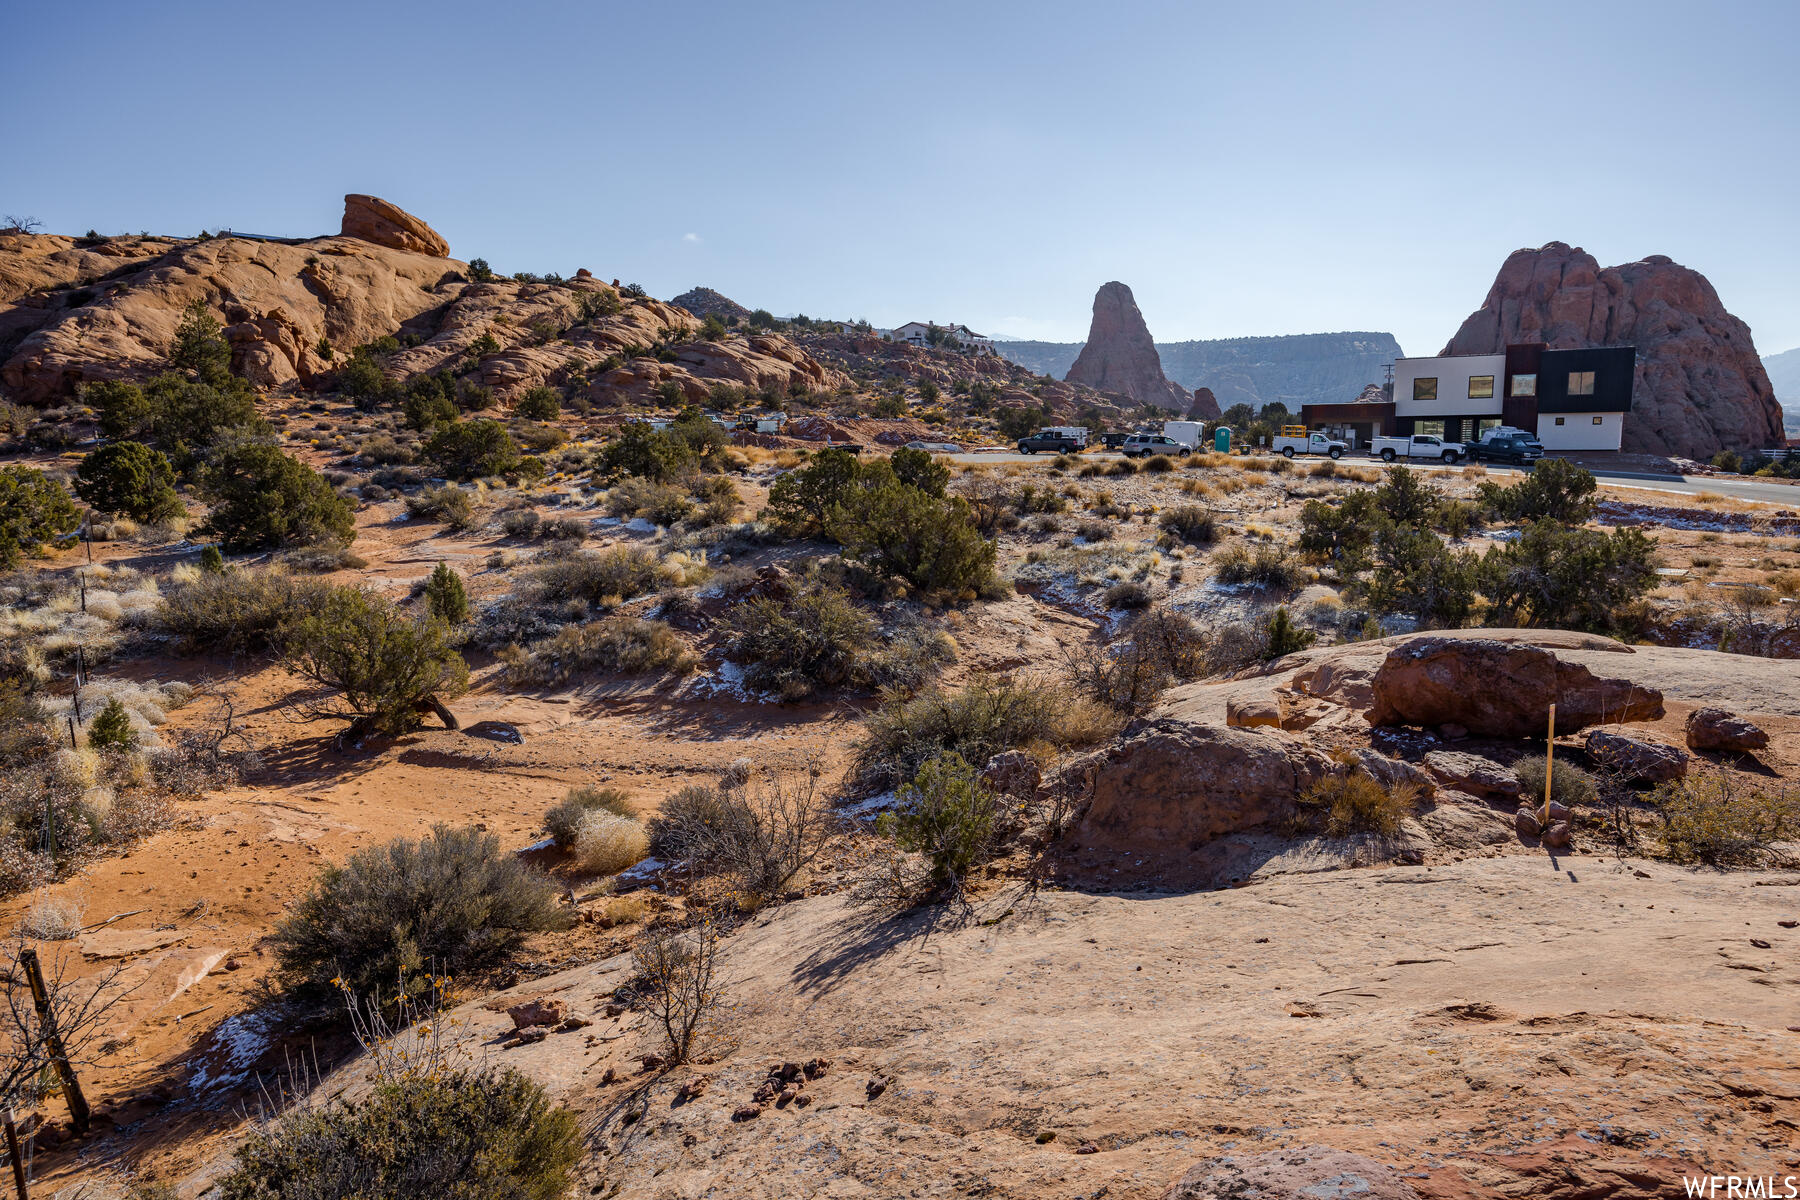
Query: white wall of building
[[1579, 431], [1452, 375]]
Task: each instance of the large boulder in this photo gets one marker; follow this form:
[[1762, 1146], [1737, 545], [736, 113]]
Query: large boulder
[[1717, 730], [1499, 689], [1635, 759], [1121, 357], [1299, 1173], [372, 219], [1473, 773], [1170, 785], [1699, 388]]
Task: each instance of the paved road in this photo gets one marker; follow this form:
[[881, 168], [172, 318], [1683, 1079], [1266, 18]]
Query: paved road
[[1760, 491]]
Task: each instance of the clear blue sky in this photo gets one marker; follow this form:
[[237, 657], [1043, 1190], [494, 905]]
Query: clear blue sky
[[1253, 168]]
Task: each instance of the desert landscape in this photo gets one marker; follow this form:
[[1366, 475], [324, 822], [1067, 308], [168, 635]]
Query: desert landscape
[[582, 722]]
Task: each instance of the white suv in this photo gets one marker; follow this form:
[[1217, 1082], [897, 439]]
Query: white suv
[[1142, 445]]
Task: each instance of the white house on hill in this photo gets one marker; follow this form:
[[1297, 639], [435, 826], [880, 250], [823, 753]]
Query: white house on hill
[[918, 333]]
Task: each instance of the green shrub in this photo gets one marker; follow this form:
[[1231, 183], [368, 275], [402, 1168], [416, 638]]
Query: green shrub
[[469, 449], [564, 819], [129, 478], [1556, 490], [181, 415], [1568, 577], [426, 407], [802, 500], [919, 469], [1416, 574], [643, 452], [947, 816], [450, 902], [264, 499], [362, 380], [111, 729], [1570, 786], [34, 511], [814, 638], [1406, 500], [539, 404], [383, 663], [212, 561], [463, 1134], [891, 407], [1728, 820], [243, 610], [1339, 534], [1190, 523], [445, 596], [1285, 637], [931, 542]]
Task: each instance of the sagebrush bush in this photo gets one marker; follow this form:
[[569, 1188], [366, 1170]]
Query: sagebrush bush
[[619, 644], [446, 503], [1352, 801], [606, 577], [465, 1134], [243, 610], [1725, 819], [606, 843], [1570, 786], [1266, 567], [565, 817], [449, 902], [981, 720], [813, 638], [948, 817], [1190, 523]]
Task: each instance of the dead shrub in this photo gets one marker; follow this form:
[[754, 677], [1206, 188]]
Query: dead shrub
[[760, 829], [1728, 820], [1352, 801], [677, 977], [606, 843], [564, 819]]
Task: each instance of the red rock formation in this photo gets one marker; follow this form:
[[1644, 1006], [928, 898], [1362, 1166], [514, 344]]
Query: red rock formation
[[375, 220], [1205, 406], [1121, 357], [1700, 387]]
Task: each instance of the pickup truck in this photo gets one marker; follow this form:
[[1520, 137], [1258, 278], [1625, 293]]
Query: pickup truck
[[1518, 449], [1289, 445], [1418, 446], [1055, 443]]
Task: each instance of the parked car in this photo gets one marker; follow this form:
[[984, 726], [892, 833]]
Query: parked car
[[1418, 446], [1113, 441], [1518, 449], [934, 447], [1143, 445], [1291, 443], [1055, 443]]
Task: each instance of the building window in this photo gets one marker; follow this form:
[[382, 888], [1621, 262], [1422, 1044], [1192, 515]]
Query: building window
[[1481, 387], [1425, 389], [1485, 424], [1596, 420], [1429, 428], [1581, 383], [1524, 385], [1559, 420]]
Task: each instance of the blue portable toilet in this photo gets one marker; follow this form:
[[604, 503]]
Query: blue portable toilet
[[1222, 439]]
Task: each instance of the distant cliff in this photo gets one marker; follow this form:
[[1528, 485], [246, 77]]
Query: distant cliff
[[1296, 369], [1784, 374]]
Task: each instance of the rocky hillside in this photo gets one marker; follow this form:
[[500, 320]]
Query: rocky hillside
[[704, 302], [1784, 377], [1120, 356], [1295, 369], [1700, 386], [77, 310]]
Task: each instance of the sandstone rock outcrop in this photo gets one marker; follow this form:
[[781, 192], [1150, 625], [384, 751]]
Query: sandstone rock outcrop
[[1499, 689], [1174, 785], [1205, 406], [1312, 1172], [704, 302], [1700, 387], [1635, 759], [372, 219], [1121, 357], [1716, 729]]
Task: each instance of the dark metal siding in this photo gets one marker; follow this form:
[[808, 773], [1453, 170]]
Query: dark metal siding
[[1525, 358], [1613, 368]]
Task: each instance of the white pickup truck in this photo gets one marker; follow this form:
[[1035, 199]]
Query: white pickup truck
[[1418, 446], [1289, 444]]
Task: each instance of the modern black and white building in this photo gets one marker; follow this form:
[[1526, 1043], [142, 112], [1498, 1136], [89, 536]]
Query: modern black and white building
[[1573, 399]]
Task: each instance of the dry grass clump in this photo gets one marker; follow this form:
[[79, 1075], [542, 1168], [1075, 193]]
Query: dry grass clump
[[42, 620], [564, 820], [619, 644], [1728, 820], [447, 504], [1190, 523], [606, 843], [53, 918], [1352, 801], [610, 576], [1268, 566]]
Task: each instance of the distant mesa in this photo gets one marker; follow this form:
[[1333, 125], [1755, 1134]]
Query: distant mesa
[[1120, 355], [1700, 387], [703, 302], [372, 219]]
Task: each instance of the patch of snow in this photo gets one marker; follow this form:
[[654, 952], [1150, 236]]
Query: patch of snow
[[644, 870], [236, 1045], [641, 525], [873, 806], [542, 844], [728, 682]]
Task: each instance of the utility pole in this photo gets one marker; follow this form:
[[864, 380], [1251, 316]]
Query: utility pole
[[79, 1116]]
